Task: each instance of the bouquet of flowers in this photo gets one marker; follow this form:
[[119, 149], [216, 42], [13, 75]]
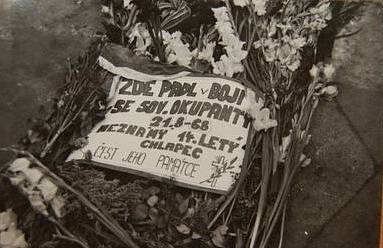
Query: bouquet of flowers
[[272, 46]]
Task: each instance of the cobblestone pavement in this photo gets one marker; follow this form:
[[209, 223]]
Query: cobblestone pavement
[[337, 200]]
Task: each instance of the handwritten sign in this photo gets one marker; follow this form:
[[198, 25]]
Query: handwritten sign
[[188, 128]]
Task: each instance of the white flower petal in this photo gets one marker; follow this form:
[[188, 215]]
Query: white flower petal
[[141, 35], [12, 238], [283, 148], [294, 65], [304, 160], [19, 242], [176, 50], [17, 179], [252, 105], [218, 236], [329, 71], [182, 228], [262, 120], [33, 175], [152, 200], [224, 28], [329, 91], [37, 202], [6, 219], [19, 164], [128, 4], [57, 205], [314, 71], [207, 52], [241, 3], [257, 44], [298, 42], [221, 14], [48, 189], [104, 9], [259, 6]]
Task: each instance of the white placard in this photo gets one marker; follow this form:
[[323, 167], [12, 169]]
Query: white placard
[[188, 128]]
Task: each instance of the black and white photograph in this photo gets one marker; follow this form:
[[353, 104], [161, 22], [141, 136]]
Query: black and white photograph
[[191, 123]]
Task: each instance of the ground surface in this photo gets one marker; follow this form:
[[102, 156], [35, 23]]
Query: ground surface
[[335, 202]]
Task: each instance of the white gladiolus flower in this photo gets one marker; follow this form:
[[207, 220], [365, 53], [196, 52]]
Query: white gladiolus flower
[[167, 37], [285, 27], [224, 29], [305, 161], [181, 55], [259, 6], [284, 53], [176, 50], [272, 27], [270, 55], [57, 205], [257, 111], [221, 14], [241, 3], [229, 39], [17, 179], [184, 229], [314, 71], [33, 175], [233, 46], [262, 120], [7, 218], [257, 44], [251, 105], [12, 238], [104, 9], [22, 165], [283, 148], [321, 15], [329, 71], [19, 164], [322, 9], [223, 26], [329, 91], [207, 52], [294, 62], [270, 51], [316, 25], [297, 43], [40, 190], [236, 54], [230, 62], [142, 37], [249, 99], [226, 66], [128, 4], [37, 202], [47, 189]]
